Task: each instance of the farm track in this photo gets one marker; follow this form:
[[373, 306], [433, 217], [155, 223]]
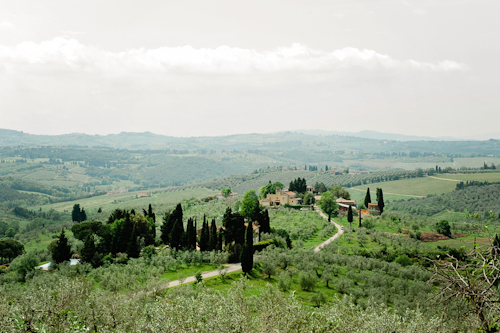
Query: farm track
[[451, 180], [236, 267]]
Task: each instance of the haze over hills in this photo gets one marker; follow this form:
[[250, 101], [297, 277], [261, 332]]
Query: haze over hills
[[148, 140], [379, 135]]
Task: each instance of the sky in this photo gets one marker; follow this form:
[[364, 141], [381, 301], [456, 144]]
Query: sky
[[219, 67]]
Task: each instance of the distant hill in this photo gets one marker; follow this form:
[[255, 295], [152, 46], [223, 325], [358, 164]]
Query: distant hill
[[288, 147], [379, 135]]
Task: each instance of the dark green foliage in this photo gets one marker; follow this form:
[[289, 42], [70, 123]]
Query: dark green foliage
[[152, 216], [3, 228], [88, 251], [117, 214], [83, 215], [284, 234], [177, 236], [24, 264], [235, 227], [264, 222], [220, 240], [82, 230], [204, 236], [380, 200], [249, 204], [298, 185], [443, 227], [247, 252], [349, 214], [127, 227], [191, 235], [10, 248], [213, 236], [269, 188], [368, 198], [62, 249], [78, 214], [403, 260], [75, 213], [133, 244]]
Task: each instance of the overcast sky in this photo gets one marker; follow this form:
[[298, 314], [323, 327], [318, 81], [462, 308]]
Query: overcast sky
[[198, 67]]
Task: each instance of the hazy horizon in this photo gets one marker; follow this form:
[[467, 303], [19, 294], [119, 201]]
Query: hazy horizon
[[226, 67]]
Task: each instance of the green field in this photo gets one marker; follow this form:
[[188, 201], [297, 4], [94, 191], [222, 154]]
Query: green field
[[406, 188], [160, 201], [481, 177]]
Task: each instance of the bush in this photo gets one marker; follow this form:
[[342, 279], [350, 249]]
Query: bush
[[443, 227], [403, 260], [318, 298], [24, 264], [307, 280], [284, 281]]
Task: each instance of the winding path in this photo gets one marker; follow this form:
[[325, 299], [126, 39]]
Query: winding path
[[340, 231], [236, 267]]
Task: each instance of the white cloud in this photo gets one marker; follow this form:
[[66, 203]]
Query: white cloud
[[71, 54], [6, 25]]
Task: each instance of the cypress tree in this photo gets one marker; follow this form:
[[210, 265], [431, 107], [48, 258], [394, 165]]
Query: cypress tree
[[349, 215], [189, 235], [133, 245], [368, 198], [62, 251], [227, 223], [380, 200], [264, 222], [219, 241], [176, 236], [359, 218], [125, 234], [75, 213], [165, 228], [246, 256], [83, 215], [204, 237], [213, 236], [88, 250]]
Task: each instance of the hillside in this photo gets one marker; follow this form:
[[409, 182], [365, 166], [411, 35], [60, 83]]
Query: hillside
[[472, 199]]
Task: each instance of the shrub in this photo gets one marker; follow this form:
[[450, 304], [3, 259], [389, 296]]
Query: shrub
[[443, 227], [307, 280], [403, 260]]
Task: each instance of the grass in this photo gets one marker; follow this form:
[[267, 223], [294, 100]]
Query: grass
[[188, 271], [160, 201], [490, 177], [413, 187], [256, 281]]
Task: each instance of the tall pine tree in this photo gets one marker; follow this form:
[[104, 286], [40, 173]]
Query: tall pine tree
[[133, 245], [349, 215], [213, 236], [88, 250], [204, 236], [177, 236], [246, 256], [368, 198], [190, 233], [380, 200], [62, 250]]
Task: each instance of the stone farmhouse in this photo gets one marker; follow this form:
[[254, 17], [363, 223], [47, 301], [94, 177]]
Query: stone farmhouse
[[280, 198], [344, 204]]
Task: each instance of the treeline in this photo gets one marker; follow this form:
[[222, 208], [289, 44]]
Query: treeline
[[475, 199]]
